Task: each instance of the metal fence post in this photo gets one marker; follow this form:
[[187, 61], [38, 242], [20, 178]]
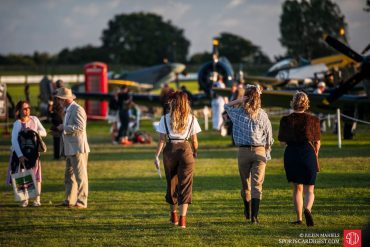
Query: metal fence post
[[339, 129]]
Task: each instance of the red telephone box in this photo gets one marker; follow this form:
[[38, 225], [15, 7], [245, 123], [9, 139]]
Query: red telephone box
[[96, 81]]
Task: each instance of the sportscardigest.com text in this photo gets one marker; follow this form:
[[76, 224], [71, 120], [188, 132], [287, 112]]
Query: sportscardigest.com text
[[313, 238]]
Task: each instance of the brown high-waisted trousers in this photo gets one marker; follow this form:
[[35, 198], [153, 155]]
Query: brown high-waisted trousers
[[178, 163]]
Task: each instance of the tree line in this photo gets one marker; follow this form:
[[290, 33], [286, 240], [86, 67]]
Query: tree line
[[146, 39]]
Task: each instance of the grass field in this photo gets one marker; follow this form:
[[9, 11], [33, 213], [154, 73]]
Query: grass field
[[127, 207]]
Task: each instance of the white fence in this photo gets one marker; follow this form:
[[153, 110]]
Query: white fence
[[21, 79]]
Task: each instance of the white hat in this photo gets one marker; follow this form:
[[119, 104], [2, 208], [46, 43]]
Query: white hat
[[321, 84], [65, 93]]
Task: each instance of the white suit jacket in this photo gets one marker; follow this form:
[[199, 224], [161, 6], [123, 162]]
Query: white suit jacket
[[74, 136]]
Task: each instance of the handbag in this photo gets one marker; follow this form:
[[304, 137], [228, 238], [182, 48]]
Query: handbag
[[41, 144], [24, 185], [317, 157]]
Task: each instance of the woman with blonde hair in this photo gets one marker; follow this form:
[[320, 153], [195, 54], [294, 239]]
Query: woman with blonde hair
[[300, 133], [178, 154], [252, 132]]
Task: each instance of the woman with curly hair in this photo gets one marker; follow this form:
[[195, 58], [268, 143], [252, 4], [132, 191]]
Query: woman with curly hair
[[177, 127], [300, 133], [252, 132]]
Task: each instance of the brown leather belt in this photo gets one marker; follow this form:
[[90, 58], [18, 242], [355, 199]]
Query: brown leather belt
[[249, 146]]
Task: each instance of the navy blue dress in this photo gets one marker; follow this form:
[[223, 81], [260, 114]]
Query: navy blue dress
[[300, 162]]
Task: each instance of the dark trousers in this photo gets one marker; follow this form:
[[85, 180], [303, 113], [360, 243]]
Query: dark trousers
[[179, 163], [56, 143], [124, 119]]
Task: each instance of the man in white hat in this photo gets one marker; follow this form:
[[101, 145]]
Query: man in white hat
[[75, 148], [320, 87]]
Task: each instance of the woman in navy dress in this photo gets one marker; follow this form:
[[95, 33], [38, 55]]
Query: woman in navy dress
[[300, 133]]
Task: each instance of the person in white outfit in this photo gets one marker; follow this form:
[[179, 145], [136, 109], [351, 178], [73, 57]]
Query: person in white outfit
[[217, 104], [76, 150]]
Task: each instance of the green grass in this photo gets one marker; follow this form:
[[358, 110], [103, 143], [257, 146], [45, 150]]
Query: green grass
[[127, 206]]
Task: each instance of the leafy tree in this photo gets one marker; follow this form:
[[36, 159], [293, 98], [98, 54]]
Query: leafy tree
[[238, 50], [144, 39], [17, 59], [80, 55], [367, 8], [42, 58], [200, 57], [303, 23]]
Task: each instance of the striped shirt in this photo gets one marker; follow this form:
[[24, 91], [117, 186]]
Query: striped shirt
[[249, 132]]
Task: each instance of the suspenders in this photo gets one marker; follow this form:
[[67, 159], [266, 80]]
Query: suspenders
[[168, 133]]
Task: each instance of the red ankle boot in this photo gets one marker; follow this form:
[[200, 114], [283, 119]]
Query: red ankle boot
[[174, 219], [182, 221]]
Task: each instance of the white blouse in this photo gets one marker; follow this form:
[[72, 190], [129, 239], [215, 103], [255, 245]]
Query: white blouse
[[194, 130], [34, 124]]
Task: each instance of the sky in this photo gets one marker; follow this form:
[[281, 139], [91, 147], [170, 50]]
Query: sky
[[51, 25]]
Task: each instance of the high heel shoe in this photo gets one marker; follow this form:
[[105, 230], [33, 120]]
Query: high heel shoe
[[309, 218]]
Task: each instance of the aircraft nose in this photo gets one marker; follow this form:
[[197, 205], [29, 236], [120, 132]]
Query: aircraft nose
[[178, 67]]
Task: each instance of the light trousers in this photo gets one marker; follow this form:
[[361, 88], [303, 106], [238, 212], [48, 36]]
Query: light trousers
[[76, 180], [252, 165]]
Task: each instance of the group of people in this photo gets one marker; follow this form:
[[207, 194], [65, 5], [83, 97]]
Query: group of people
[[252, 133], [74, 147], [119, 115], [178, 129]]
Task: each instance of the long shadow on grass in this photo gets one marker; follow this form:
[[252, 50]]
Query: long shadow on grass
[[118, 153], [214, 183]]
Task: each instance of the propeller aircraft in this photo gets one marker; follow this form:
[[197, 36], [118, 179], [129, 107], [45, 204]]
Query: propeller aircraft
[[220, 65], [289, 73], [356, 106]]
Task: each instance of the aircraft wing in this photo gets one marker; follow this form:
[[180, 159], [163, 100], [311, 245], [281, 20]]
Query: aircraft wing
[[282, 98], [145, 99], [334, 61], [93, 96], [274, 98], [266, 81], [140, 99], [133, 85]]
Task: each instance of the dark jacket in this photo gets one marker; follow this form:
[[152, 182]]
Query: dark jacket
[[299, 128]]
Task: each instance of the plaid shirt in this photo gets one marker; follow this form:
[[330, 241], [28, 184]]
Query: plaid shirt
[[249, 132]]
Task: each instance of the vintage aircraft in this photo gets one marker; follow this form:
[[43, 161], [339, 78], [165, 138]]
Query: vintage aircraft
[[352, 105], [356, 106], [151, 77], [220, 65], [293, 74], [145, 79]]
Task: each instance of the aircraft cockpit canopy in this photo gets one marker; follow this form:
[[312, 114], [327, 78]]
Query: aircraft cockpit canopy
[[282, 65]]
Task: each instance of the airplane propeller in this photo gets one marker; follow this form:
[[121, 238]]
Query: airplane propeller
[[366, 49], [342, 48], [353, 80]]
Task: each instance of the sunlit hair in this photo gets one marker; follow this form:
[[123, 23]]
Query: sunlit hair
[[252, 102], [179, 112], [300, 102], [18, 108]]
